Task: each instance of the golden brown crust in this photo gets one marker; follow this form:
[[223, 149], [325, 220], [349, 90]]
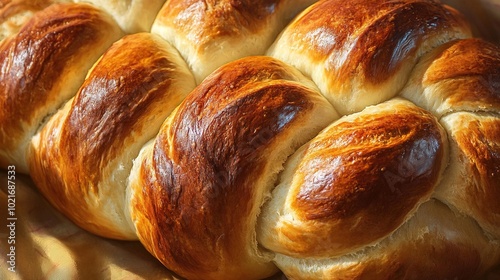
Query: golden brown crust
[[49, 42], [117, 99], [467, 58], [206, 20], [371, 168], [384, 41], [372, 158], [459, 76], [218, 155], [43, 66], [121, 105], [366, 46]]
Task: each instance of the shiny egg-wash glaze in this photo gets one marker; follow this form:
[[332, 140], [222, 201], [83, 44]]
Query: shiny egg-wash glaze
[[226, 162], [89, 143]]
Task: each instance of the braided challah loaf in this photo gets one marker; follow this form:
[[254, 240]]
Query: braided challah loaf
[[235, 139]]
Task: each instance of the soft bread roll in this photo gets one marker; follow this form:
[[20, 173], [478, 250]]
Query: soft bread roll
[[462, 75], [132, 15], [211, 33], [82, 158], [360, 52], [196, 191], [43, 66]]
